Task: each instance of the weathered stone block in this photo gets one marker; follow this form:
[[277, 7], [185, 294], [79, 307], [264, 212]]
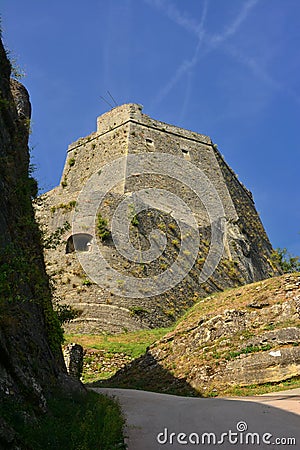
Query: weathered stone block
[[73, 355]]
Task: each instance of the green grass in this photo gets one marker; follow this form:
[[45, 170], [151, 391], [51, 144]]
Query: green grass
[[173, 371], [80, 422], [249, 349], [133, 344], [266, 388]]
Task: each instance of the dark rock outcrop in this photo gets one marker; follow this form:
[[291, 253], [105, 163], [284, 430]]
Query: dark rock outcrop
[[73, 355], [31, 361]]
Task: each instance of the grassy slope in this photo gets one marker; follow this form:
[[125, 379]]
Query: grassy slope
[[112, 351], [272, 291]]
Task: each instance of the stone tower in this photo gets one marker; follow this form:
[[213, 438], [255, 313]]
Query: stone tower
[[124, 134]]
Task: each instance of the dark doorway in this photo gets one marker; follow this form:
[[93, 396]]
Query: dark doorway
[[80, 242]]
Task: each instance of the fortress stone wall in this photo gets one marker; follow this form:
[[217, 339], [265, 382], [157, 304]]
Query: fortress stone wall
[[124, 131]]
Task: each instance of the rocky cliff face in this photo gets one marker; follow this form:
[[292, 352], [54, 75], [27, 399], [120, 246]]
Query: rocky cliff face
[[31, 362]]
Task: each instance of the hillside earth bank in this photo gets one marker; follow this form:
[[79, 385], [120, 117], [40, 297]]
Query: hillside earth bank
[[247, 337]]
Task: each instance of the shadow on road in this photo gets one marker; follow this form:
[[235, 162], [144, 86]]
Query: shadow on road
[[147, 374]]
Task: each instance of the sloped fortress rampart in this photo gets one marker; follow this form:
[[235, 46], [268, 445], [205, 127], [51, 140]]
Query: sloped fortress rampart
[[124, 131]]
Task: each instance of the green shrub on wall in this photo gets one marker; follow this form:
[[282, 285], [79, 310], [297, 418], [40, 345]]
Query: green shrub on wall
[[71, 162], [102, 228]]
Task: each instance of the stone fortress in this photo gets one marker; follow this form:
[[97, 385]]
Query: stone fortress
[[124, 131]]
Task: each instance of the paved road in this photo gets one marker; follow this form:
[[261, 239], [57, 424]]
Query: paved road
[[152, 418]]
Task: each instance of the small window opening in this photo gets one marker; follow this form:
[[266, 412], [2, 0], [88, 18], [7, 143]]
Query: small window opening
[[149, 142], [186, 153], [80, 242]]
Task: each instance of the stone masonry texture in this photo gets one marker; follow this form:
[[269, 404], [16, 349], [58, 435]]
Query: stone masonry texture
[[124, 131]]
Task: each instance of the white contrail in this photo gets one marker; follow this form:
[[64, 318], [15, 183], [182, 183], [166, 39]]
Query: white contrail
[[180, 18], [235, 25], [185, 66], [259, 72], [186, 97], [188, 64], [211, 42]]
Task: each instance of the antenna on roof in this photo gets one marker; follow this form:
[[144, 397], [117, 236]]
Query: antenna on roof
[[106, 101], [116, 104]]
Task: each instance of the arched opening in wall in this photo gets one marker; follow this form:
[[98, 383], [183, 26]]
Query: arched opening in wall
[[80, 242]]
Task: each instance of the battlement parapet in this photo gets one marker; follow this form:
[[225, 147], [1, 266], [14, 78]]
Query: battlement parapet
[[132, 112], [119, 116]]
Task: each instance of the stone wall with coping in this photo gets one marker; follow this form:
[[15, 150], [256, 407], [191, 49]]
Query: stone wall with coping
[[126, 130]]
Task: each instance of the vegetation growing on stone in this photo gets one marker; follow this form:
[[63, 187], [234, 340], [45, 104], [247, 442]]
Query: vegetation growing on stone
[[71, 162], [133, 216], [64, 182], [87, 282], [106, 353], [55, 239], [64, 206], [65, 313], [102, 229], [138, 311]]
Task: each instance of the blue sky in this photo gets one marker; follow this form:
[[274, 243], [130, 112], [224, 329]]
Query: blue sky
[[228, 69]]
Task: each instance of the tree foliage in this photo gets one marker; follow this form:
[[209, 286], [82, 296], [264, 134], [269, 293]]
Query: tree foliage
[[55, 238], [285, 260], [65, 313]]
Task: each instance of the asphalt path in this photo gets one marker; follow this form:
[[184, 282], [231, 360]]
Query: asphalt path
[[160, 421]]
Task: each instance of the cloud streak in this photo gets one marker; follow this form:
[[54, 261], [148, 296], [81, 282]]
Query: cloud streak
[[235, 25], [208, 43], [187, 64], [182, 19], [259, 72], [203, 39], [185, 67]]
